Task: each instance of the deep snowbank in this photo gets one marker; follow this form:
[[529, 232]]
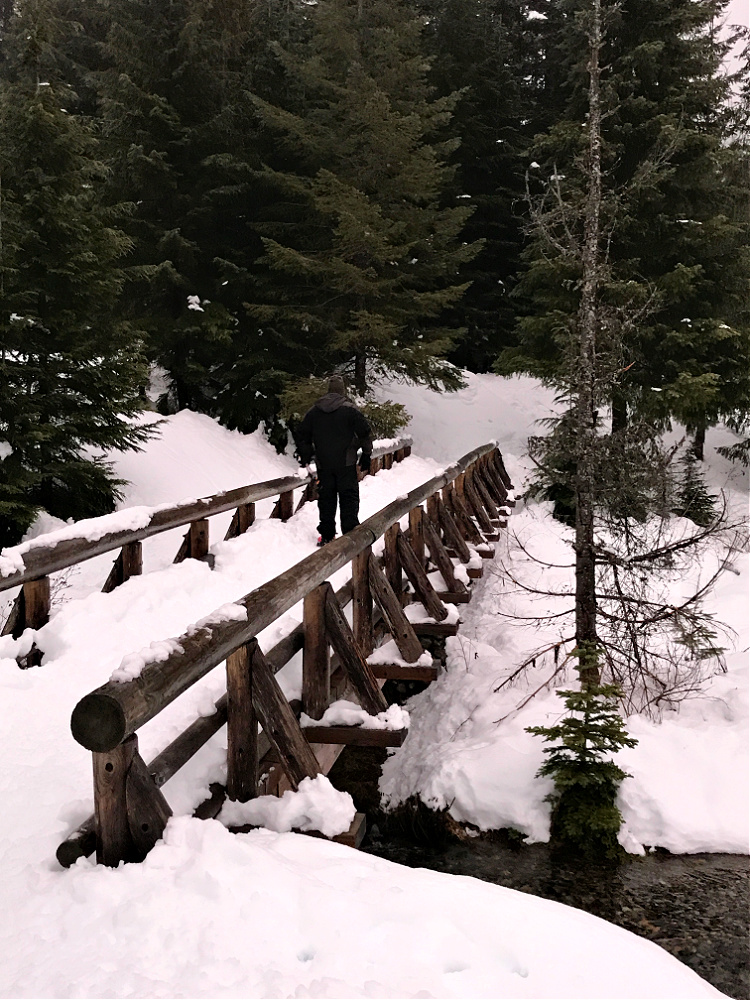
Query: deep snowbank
[[211, 914]]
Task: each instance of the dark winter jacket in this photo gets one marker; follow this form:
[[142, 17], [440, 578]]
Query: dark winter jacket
[[332, 431]]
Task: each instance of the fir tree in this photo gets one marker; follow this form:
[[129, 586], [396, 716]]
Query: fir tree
[[585, 817], [672, 172], [363, 278], [71, 374]]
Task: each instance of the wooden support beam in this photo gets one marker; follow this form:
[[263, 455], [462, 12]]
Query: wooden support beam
[[392, 561], [416, 533], [440, 557], [284, 507], [462, 513], [418, 578], [499, 464], [484, 493], [342, 639], [388, 460], [148, 810], [15, 618], [452, 534], [398, 455], [493, 481], [432, 629], [398, 624], [455, 596], [278, 720], [475, 572], [242, 519], [316, 663], [356, 736], [362, 601], [113, 840], [475, 504], [242, 728], [395, 672]]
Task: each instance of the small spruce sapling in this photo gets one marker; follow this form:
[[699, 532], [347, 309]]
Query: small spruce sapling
[[585, 817]]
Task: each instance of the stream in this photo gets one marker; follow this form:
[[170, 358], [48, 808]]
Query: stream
[[694, 906]]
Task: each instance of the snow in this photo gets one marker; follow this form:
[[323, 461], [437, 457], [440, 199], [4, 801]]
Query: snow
[[348, 713], [5, 450], [134, 664], [213, 914], [388, 653], [316, 805], [418, 614]]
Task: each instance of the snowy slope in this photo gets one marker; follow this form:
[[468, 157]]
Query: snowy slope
[[266, 914], [690, 785]]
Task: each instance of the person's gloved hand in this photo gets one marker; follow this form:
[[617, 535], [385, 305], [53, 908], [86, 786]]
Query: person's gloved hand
[[364, 462], [311, 471]]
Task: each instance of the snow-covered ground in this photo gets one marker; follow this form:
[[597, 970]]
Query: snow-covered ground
[[279, 914]]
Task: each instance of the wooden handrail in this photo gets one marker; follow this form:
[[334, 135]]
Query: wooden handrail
[[106, 716], [42, 559]]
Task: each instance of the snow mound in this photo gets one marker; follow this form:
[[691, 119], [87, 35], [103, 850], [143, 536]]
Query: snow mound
[[316, 805]]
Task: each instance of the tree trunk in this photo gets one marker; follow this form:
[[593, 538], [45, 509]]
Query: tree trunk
[[584, 396], [619, 412], [699, 442], [360, 374]]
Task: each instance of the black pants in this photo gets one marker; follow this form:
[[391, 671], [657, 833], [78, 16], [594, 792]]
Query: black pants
[[342, 485]]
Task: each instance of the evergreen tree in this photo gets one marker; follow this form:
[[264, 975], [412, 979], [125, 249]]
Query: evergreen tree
[[674, 229], [585, 817], [485, 50], [363, 279], [71, 374]]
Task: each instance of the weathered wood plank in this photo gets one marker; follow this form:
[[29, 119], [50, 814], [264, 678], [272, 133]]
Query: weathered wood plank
[[284, 507], [391, 560], [475, 504], [416, 534], [398, 624], [278, 720], [435, 629], [316, 665], [395, 672], [455, 596], [342, 639], [356, 736], [418, 578], [14, 622], [362, 601], [242, 728], [484, 493]]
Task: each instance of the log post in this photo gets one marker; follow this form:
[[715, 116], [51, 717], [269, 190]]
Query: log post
[[407, 450], [198, 539], [128, 563], [416, 532], [499, 464], [362, 601], [392, 561], [374, 465], [484, 493], [399, 455], [468, 529], [388, 460], [36, 602], [424, 589], [342, 639], [284, 507], [242, 728], [398, 624], [113, 840], [432, 508], [316, 663], [15, 618]]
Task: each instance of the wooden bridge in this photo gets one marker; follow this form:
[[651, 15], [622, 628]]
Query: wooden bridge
[[452, 519]]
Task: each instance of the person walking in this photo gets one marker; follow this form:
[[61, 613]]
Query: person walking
[[331, 432]]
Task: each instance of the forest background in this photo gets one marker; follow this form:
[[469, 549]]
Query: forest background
[[250, 194]]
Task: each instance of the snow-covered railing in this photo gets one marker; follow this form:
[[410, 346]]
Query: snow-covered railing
[[30, 563], [463, 505]]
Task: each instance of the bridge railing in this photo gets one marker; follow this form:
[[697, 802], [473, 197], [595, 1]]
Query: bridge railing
[[31, 563], [460, 507]]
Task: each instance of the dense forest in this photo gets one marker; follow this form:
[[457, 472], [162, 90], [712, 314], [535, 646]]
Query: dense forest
[[248, 194]]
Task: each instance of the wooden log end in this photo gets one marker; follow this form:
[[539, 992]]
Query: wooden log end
[[357, 736], [98, 723], [395, 672], [76, 847]]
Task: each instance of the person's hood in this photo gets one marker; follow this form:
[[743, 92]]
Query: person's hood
[[333, 401]]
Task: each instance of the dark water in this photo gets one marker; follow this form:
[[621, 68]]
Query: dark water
[[697, 907]]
